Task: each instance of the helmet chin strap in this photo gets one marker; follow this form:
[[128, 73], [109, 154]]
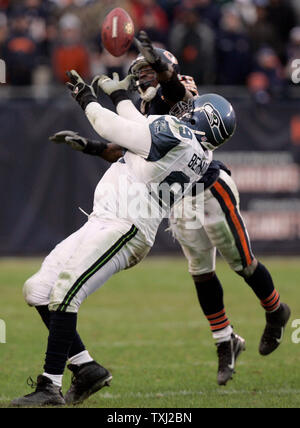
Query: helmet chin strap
[[149, 93], [208, 146], [205, 144]]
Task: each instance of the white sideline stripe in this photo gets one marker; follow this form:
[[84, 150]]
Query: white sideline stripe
[[143, 343], [199, 324], [152, 394], [138, 343], [177, 365], [182, 323], [203, 322], [108, 395], [183, 393]]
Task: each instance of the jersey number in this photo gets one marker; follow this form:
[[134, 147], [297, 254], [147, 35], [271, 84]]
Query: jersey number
[[185, 132]]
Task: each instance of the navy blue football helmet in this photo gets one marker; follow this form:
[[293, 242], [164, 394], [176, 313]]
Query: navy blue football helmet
[[165, 56], [211, 118]]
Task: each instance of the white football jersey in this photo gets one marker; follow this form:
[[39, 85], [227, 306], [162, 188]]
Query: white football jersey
[[141, 189]]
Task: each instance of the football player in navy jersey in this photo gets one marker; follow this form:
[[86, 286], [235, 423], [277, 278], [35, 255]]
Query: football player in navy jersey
[[160, 87]]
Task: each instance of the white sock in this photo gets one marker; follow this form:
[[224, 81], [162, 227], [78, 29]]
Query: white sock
[[56, 379], [223, 335], [81, 358]]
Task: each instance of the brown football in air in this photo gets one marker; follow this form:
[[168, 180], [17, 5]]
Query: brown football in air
[[117, 31]]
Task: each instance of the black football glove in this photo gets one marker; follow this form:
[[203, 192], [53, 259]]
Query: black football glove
[[81, 91], [72, 139], [76, 142], [145, 47]]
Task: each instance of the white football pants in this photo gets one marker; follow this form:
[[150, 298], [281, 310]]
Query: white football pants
[[223, 229], [83, 262]]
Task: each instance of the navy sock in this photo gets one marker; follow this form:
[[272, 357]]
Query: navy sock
[[61, 335], [77, 345], [262, 284], [210, 296]]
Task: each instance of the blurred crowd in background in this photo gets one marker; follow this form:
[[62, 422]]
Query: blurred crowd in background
[[243, 42]]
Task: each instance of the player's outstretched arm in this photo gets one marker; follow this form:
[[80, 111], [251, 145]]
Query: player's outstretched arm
[[173, 88], [117, 90], [145, 47], [109, 152], [134, 136]]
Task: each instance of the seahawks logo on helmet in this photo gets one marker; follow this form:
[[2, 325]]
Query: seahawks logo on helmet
[[216, 123]]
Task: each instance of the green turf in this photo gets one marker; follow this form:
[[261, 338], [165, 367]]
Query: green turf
[[145, 325]]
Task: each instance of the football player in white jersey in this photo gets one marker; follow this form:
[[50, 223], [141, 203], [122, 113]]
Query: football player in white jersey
[[223, 228], [165, 157]]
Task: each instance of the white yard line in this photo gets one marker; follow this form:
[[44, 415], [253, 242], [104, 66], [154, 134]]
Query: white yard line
[[108, 395], [143, 343], [185, 393]]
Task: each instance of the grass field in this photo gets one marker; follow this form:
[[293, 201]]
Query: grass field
[[145, 326]]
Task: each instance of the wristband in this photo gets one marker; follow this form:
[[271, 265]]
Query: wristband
[[118, 96], [94, 148], [86, 99]]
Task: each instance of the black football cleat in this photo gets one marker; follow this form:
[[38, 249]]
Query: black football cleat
[[274, 330], [87, 379], [228, 353], [45, 394]]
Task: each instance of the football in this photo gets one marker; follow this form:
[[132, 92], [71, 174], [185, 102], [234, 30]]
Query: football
[[117, 32]]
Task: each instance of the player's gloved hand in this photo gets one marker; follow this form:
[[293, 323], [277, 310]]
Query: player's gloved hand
[[145, 47], [76, 142], [80, 90], [95, 86], [109, 85], [71, 138], [115, 88]]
